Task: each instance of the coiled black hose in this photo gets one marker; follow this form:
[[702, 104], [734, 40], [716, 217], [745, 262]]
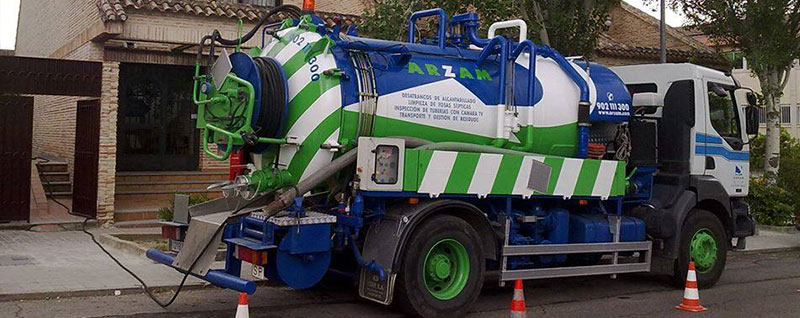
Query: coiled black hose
[[273, 98]]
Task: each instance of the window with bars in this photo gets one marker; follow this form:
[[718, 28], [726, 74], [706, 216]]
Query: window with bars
[[786, 114], [762, 115]]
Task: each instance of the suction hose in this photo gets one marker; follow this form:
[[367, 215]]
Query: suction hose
[[460, 146], [286, 198]]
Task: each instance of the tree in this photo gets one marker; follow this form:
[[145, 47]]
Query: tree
[[571, 27], [767, 32]]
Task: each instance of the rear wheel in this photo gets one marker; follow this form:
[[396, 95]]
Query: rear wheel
[[703, 241], [442, 269]]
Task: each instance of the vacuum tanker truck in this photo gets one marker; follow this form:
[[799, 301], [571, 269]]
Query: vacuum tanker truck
[[415, 168]]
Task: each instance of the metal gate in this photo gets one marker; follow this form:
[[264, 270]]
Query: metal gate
[[87, 151], [16, 122]]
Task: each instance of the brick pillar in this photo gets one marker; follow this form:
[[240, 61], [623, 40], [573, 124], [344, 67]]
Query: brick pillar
[[107, 163]]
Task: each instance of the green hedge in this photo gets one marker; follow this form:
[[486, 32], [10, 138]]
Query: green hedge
[[772, 205], [166, 213]]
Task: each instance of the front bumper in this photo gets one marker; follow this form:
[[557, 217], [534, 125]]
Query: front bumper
[[217, 277]]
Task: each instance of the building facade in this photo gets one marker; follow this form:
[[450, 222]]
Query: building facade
[[149, 147], [790, 101]]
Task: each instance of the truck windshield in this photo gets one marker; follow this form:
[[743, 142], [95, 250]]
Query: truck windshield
[[723, 112]]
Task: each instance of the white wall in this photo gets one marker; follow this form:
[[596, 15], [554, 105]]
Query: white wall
[[790, 98]]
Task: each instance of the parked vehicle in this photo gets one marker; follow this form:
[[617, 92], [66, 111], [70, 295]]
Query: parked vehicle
[[416, 167]]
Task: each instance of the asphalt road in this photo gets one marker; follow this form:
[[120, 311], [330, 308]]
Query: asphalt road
[[754, 285]]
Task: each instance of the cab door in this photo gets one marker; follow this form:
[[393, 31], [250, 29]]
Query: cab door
[[723, 145]]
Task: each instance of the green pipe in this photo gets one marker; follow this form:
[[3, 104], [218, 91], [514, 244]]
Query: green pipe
[[528, 145]]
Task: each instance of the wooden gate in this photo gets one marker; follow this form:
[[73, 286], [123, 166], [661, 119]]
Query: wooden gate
[[87, 144], [16, 121]]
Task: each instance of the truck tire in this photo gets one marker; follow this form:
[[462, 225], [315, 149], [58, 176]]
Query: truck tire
[[441, 274], [703, 240]]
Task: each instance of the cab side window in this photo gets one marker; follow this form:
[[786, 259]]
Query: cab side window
[[723, 111]]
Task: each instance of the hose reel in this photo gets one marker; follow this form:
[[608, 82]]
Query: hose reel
[[249, 108]]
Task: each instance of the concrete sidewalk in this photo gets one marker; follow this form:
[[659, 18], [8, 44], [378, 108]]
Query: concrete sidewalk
[[766, 239], [36, 265]]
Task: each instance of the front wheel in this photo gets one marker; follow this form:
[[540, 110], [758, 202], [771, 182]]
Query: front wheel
[[442, 269], [703, 241]]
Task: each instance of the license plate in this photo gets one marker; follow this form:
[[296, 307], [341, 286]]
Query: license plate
[[258, 271], [373, 288], [175, 246]]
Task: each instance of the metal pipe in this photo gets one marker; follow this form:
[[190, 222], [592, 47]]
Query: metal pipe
[[583, 105], [663, 32], [217, 277], [371, 265], [467, 147], [426, 13], [500, 140], [286, 198], [528, 145]]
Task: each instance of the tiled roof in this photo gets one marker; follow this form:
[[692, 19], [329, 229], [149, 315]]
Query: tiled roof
[[673, 32], [609, 47], [114, 10]]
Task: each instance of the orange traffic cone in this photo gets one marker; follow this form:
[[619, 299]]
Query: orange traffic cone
[[691, 297], [242, 311], [518, 302]]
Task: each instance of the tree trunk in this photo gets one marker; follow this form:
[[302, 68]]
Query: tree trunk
[[770, 87], [537, 10]]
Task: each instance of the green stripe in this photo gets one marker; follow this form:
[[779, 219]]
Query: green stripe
[[306, 97], [462, 173], [555, 164], [296, 62], [587, 177], [507, 174], [410, 170], [311, 145], [283, 42], [618, 185], [424, 160]]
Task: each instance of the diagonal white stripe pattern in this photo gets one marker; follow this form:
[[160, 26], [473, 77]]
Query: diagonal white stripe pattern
[[605, 178], [565, 185], [435, 179]]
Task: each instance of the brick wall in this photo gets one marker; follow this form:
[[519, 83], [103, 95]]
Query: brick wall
[[107, 163], [179, 27], [210, 164], [355, 7], [54, 116], [46, 25]]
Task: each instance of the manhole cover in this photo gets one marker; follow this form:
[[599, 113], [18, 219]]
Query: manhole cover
[[16, 260]]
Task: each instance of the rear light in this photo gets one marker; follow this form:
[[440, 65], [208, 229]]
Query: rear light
[[173, 232], [308, 5], [251, 256]]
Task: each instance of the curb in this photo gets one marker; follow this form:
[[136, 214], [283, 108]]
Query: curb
[[132, 248], [768, 250], [54, 226], [100, 292], [120, 244], [780, 229]]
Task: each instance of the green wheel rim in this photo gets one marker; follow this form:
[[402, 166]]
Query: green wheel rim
[[703, 250], [446, 269]]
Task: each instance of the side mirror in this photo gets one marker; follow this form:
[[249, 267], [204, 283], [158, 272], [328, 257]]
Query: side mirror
[[751, 119], [752, 99]]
